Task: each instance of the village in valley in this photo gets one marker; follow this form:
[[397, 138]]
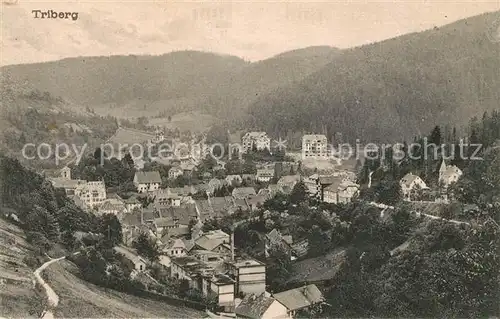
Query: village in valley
[[213, 226], [250, 160]]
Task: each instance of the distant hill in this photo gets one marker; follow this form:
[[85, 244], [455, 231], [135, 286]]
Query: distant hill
[[131, 81], [134, 86], [378, 92], [240, 90], [395, 88]]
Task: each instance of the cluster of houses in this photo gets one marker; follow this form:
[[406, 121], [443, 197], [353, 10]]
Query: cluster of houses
[[87, 194], [208, 261], [414, 188]]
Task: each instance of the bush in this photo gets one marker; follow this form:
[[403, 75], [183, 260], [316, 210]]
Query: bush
[[31, 261], [38, 241]]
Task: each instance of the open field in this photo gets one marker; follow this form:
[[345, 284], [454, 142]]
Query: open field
[[188, 121], [129, 136], [18, 296], [135, 108], [78, 298]]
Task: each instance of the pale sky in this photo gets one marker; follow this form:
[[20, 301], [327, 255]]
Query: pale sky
[[253, 30]]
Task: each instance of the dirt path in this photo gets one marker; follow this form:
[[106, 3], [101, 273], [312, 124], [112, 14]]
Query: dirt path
[[384, 207], [52, 297]]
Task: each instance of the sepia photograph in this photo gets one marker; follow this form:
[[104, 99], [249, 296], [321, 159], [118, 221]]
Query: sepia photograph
[[242, 159]]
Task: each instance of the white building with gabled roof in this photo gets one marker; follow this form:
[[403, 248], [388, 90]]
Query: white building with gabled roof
[[147, 181], [449, 174], [411, 183]]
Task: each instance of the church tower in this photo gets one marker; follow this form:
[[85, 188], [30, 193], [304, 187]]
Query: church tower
[[442, 170]]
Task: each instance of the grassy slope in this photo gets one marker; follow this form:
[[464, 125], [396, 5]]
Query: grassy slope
[[82, 299], [134, 85], [18, 297]]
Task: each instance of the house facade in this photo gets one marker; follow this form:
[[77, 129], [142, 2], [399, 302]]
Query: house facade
[[411, 184], [265, 175], [175, 172], [288, 182], [261, 306], [138, 262], [256, 140], [313, 186], [340, 192], [131, 204], [302, 298], [176, 248], [222, 288], [314, 146], [250, 276], [147, 181], [449, 174], [91, 193]]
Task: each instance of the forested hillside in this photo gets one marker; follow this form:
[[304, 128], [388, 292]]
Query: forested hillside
[[118, 79], [395, 88]]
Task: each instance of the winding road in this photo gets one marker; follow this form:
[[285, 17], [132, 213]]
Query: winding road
[[52, 297]]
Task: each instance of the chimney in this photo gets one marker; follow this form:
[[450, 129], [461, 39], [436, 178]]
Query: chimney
[[232, 246]]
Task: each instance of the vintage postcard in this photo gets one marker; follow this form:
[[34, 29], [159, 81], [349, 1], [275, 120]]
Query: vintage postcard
[[268, 159]]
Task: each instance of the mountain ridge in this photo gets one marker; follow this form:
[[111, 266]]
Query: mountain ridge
[[412, 82]]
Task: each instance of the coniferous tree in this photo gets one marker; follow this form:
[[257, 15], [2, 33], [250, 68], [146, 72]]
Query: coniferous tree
[[436, 136], [299, 193], [146, 247], [110, 228]]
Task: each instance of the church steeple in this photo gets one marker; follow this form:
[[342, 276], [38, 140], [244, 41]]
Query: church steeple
[[442, 168]]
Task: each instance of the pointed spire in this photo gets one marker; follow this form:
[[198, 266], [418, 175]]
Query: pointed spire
[[443, 166]]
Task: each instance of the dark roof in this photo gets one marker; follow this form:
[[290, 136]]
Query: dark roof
[[299, 298], [288, 239], [248, 176], [221, 205], [201, 187], [148, 177], [211, 240], [329, 179], [301, 248], [192, 265], [242, 192], [256, 200], [240, 203], [182, 191], [203, 206], [178, 231], [317, 269], [132, 219], [149, 214], [274, 235], [254, 306], [221, 279], [164, 222], [334, 186], [183, 215], [132, 200]]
